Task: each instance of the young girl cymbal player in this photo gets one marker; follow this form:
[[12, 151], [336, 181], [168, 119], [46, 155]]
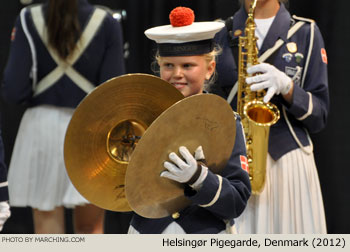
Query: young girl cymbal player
[[186, 57]]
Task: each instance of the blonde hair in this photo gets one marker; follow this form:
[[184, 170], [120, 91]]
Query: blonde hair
[[209, 57]]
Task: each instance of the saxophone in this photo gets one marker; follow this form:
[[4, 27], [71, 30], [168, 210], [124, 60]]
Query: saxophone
[[257, 116]]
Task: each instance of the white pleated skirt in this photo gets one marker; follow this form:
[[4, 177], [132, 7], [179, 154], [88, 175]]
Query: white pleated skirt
[[37, 176], [291, 202]]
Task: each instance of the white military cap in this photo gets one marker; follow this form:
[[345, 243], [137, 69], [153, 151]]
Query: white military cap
[[184, 36]]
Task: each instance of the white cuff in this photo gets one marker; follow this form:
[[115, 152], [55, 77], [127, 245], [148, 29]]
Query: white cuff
[[217, 195]]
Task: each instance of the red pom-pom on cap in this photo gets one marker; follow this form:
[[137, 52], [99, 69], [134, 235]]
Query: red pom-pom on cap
[[181, 16]]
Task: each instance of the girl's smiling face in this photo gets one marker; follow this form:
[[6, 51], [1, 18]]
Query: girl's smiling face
[[186, 73]]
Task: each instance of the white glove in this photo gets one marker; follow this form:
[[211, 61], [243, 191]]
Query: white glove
[[5, 213], [271, 78], [187, 170]]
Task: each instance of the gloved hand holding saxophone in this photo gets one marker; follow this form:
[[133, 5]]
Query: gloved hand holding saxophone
[[190, 170], [276, 81]]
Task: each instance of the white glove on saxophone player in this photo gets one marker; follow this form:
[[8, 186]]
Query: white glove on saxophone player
[[5, 213], [191, 170], [271, 78]]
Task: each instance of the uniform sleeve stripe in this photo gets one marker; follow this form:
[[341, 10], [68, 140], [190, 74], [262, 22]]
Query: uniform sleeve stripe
[[4, 184], [216, 195], [309, 111], [311, 46]]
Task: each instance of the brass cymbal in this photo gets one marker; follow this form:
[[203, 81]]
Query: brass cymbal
[[104, 130], [204, 119]]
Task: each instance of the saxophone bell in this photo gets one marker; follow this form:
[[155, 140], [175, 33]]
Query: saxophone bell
[[263, 114]]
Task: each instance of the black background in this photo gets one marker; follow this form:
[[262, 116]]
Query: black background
[[331, 146]]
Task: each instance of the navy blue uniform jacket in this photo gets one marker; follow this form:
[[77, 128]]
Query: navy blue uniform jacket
[[310, 103]]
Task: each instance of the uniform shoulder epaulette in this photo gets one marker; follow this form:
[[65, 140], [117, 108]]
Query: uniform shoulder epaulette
[[309, 20]]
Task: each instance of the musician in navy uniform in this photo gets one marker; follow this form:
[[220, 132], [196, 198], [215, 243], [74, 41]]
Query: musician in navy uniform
[[5, 212], [60, 51], [295, 77], [187, 60]]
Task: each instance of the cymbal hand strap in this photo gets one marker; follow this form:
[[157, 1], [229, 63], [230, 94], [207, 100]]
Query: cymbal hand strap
[[189, 170], [197, 184], [195, 175]]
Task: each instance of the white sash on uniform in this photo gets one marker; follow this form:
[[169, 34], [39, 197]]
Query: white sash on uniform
[[64, 67]]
